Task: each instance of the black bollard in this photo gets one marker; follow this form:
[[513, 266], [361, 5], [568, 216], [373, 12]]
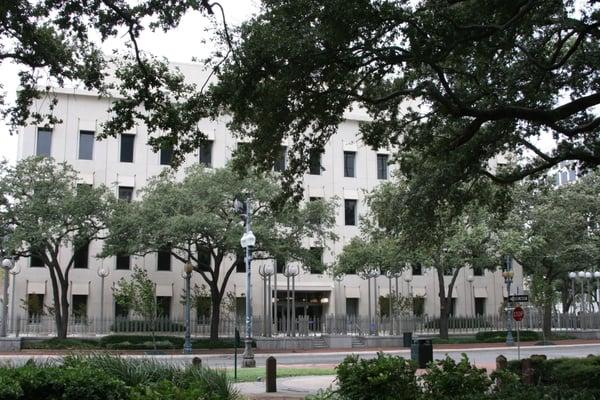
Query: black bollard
[[197, 362], [271, 378]]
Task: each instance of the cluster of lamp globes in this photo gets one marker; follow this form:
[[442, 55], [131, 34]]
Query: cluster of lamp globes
[[584, 275], [9, 265]]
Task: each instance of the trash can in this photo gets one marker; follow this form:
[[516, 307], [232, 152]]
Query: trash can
[[421, 351], [406, 339]]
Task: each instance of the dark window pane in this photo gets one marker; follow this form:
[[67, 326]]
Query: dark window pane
[[478, 271], [121, 311], [418, 305], [317, 254], [204, 259], [205, 153], [79, 306], [36, 259], [453, 306], [123, 262], [127, 142], [382, 166], [280, 265], [449, 271], [240, 264], [35, 306], [163, 306], [280, 163], [164, 260], [480, 306], [350, 212], [314, 163], [86, 145], [126, 193], [315, 198], [417, 269], [82, 256], [166, 155], [44, 142], [349, 163]]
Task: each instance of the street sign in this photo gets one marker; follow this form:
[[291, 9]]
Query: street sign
[[518, 298], [518, 313]]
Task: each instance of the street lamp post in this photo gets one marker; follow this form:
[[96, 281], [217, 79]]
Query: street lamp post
[[7, 264], [266, 271], [370, 273], [248, 241], [102, 273], [508, 278], [14, 272], [337, 298], [573, 276], [470, 279], [290, 272], [187, 344], [390, 275], [588, 278], [597, 277]]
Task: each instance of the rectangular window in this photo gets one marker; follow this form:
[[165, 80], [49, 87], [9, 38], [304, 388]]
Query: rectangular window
[[240, 263], [121, 311], [204, 259], [479, 305], [163, 306], [452, 310], [280, 163], [44, 142], [280, 265], [205, 153], [123, 261], [127, 142], [36, 261], [166, 155], [82, 256], [349, 164], [350, 212], [314, 167], [126, 193], [418, 305], [382, 166], [163, 258], [79, 306], [449, 271], [478, 271], [317, 255], [417, 269], [86, 145], [35, 307]]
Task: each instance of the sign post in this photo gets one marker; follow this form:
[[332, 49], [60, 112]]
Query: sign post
[[518, 314]]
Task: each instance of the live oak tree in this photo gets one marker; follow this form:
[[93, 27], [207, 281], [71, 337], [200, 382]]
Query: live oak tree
[[447, 246], [450, 85], [51, 217], [57, 43], [195, 220], [552, 231]]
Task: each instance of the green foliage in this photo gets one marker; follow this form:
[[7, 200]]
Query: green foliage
[[127, 342], [212, 383], [383, 377], [500, 336], [62, 344], [574, 373], [164, 390], [452, 380], [10, 389]]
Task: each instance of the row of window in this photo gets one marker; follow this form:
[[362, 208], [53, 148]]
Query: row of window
[[127, 144]]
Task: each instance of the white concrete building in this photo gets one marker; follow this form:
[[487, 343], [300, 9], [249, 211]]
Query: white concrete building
[[125, 164]]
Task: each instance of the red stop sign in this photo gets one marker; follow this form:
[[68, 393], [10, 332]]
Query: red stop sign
[[518, 313]]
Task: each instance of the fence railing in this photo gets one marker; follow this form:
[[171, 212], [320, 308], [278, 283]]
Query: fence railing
[[302, 325]]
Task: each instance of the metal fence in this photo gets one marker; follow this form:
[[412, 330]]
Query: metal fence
[[303, 325]]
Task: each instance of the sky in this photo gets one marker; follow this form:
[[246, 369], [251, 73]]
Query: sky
[[178, 45]]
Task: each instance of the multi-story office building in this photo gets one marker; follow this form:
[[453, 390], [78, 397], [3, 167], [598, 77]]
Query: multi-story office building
[[125, 163]]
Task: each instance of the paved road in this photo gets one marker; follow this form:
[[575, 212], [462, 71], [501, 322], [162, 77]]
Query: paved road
[[483, 356]]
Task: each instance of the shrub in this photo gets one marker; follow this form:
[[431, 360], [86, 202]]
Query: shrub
[[212, 383], [62, 344], [384, 377], [10, 389], [90, 384], [500, 336], [575, 373], [448, 379]]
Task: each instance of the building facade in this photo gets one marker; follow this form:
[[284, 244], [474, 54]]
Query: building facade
[[125, 163]]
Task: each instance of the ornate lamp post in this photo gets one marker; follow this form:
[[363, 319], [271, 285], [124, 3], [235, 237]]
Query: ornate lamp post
[[102, 273], [470, 279], [573, 276], [7, 265], [14, 272], [187, 344], [368, 274], [390, 275], [337, 298], [597, 277], [581, 276], [588, 278], [265, 272], [508, 275], [291, 271]]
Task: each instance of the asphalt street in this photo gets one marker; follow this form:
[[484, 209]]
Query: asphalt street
[[482, 356]]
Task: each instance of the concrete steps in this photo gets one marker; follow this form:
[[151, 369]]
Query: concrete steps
[[320, 343], [358, 341]]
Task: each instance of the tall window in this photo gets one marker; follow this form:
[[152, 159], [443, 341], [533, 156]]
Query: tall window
[[164, 260], [163, 306], [204, 259], [126, 193], [382, 166], [478, 271], [127, 142], [350, 212], [123, 261], [82, 256], [44, 142], [479, 305], [314, 163], [35, 306], [205, 153], [240, 264], [317, 253], [121, 311], [79, 306], [417, 269], [35, 258], [280, 265], [280, 163], [166, 155], [86, 145], [349, 164]]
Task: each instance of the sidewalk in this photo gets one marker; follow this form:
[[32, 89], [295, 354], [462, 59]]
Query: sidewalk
[[287, 388]]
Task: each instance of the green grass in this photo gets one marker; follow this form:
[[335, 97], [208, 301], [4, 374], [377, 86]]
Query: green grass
[[252, 374]]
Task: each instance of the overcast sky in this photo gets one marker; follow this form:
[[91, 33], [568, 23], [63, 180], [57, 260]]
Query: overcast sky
[[179, 45]]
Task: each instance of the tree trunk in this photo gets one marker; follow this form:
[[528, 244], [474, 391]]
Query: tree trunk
[[444, 313], [215, 314], [547, 320], [64, 310]]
